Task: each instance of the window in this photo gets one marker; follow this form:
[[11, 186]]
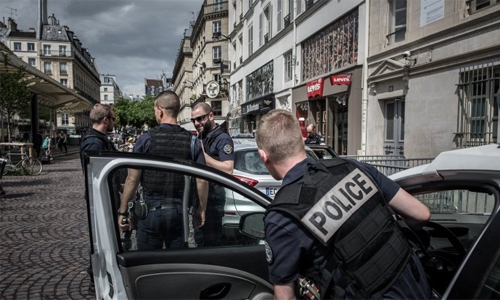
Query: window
[[32, 61], [64, 82], [17, 46], [478, 105], [267, 24], [105, 89], [261, 29], [105, 97], [216, 26], [63, 68], [47, 67], [397, 21], [31, 46], [64, 119], [217, 108], [288, 65], [299, 6], [217, 52], [218, 6], [62, 50], [250, 40], [477, 5], [46, 50]]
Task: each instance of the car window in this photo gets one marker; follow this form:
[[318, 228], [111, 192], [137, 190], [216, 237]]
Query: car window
[[249, 161], [159, 209], [323, 154], [458, 201]]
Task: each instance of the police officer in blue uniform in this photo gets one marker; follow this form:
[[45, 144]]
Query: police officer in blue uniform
[[331, 231], [313, 137], [162, 192], [219, 154]]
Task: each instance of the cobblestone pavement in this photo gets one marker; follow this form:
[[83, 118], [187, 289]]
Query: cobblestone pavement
[[44, 242]]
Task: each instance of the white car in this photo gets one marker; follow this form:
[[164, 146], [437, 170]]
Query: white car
[[459, 248]]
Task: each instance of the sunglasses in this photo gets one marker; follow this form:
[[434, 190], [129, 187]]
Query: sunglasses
[[199, 119], [112, 118]]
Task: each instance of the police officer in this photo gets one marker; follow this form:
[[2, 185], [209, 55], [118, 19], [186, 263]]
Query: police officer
[[219, 154], [162, 193], [329, 228], [313, 137]]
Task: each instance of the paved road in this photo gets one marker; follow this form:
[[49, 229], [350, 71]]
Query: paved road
[[44, 240]]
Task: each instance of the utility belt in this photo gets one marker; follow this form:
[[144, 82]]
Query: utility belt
[[143, 206]]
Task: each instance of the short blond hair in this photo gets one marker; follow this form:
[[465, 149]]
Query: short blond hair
[[99, 112], [279, 134]]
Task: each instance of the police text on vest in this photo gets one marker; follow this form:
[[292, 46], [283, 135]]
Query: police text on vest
[[338, 204]]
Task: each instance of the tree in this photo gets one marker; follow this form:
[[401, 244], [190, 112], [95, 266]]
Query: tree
[[14, 93], [135, 113]]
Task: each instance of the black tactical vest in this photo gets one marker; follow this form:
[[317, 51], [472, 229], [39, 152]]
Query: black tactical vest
[[172, 141], [346, 211]]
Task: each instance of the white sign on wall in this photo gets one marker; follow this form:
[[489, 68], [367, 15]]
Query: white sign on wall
[[431, 11]]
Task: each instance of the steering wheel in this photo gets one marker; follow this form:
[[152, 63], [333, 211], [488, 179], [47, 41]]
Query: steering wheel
[[441, 264]]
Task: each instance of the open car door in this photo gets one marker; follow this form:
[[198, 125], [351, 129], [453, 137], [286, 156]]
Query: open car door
[[237, 269]]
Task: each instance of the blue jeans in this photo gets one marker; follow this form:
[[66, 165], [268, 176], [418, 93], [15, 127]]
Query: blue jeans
[[163, 226]]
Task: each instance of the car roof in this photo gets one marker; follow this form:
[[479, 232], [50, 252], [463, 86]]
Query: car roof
[[478, 158]]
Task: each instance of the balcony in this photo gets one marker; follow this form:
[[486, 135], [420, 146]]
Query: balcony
[[241, 59], [310, 3], [266, 38]]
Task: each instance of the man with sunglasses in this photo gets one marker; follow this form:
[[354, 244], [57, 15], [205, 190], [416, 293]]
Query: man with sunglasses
[[219, 153], [162, 192]]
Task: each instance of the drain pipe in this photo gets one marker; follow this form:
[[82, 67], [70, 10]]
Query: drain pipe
[[364, 103]]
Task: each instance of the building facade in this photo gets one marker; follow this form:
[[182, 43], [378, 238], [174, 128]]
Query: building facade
[[110, 91], [302, 56], [433, 76], [55, 50]]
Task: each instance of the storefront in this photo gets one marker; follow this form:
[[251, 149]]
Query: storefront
[[333, 104], [253, 110]]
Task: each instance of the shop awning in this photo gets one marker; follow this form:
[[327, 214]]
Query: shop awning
[[49, 91]]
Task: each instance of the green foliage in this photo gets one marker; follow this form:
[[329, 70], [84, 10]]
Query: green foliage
[[14, 93], [135, 113]]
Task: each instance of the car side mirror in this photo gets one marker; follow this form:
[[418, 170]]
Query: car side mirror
[[252, 225]]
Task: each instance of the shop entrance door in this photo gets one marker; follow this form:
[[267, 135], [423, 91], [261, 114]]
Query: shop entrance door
[[394, 115]]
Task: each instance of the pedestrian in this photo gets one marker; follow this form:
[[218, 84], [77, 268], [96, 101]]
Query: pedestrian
[[162, 193], [64, 141], [46, 145], [219, 154], [329, 227], [313, 137], [37, 143], [102, 117]]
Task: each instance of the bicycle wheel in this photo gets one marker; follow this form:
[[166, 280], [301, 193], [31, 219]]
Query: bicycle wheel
[[8, 168], [32, 166]]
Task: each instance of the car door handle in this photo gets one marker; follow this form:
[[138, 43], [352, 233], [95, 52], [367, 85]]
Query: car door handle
[[216, 291]]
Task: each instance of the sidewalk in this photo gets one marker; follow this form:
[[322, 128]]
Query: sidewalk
[[44, 233]]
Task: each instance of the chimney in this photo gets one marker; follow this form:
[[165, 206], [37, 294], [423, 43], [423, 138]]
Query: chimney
[[12, 25], [42, 17]]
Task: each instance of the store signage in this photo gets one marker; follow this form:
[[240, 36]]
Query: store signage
[[340, 79], [315, 88], [252, 107]]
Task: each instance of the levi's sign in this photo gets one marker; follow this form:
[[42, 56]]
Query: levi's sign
[[340, 79], [338, 204], [315, 88]]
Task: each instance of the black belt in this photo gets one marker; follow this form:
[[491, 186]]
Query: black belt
[[163, 206]]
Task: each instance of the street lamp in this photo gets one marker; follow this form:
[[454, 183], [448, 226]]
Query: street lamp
[[216, 36]]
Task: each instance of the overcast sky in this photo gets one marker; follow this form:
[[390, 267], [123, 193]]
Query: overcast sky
[[132, 39]]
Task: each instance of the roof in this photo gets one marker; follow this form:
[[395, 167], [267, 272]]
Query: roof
[[154, 82], [49, 91]]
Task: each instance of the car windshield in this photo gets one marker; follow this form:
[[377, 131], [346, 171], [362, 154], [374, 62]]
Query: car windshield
[[249, 161]]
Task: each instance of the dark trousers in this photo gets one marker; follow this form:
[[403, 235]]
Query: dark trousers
[[162, 227], [211, 233]]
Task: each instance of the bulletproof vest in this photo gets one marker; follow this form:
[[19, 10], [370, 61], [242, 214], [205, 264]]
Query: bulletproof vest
[[346, 212], [172, 141], [207, 142]]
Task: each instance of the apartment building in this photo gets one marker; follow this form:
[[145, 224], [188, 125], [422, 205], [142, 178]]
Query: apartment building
[[433, 76], [302, 56], [55, 50], [110, 91], [210, 66]]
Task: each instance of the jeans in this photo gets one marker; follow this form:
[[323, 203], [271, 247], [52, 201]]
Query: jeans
[[163, 226]]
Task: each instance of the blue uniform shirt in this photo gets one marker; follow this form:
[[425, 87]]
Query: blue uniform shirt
[[291, 244], [223, 146], [143, 142]]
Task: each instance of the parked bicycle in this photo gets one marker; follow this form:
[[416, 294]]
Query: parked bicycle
[[26, 166]]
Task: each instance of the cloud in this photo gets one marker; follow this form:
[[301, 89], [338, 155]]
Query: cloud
[[132, 39]]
